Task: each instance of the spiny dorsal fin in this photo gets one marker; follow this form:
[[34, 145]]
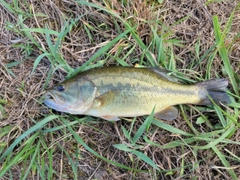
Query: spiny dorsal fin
[[164, 73]]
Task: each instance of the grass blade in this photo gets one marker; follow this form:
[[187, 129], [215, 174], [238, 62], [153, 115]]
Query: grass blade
[[223, 53], [32, 161], [143, 127], [99, 53], [23, 154], [40, 30], [7, 6], [80, 140], [145, 158], [225, 162], [170, 128], [37, 61], [122, 147], [129, 29], [220, 139], [25, 134]]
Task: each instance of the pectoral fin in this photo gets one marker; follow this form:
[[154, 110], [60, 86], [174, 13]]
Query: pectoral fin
[[106, 98], [169, 113]]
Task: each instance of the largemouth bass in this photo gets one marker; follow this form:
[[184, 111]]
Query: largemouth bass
[[114, 92]]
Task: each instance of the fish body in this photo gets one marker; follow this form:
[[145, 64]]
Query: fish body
[[113, 92]]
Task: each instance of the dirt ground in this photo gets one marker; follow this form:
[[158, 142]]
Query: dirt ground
[[20, 89]]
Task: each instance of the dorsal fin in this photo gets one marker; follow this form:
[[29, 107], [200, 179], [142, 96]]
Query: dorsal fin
[[163, 73]]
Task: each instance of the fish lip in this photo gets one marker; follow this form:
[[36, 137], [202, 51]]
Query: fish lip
[[53, 101], [50, 96]]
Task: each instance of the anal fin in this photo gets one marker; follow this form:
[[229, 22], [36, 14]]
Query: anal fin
[[169, 113]]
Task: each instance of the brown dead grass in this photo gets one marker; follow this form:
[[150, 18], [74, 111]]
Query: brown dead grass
[[23, 90]]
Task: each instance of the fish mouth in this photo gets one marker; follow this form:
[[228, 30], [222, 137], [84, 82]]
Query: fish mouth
[[53, 101], [48, 96]]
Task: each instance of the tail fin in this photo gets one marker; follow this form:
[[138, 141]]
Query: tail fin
[[216, 89]]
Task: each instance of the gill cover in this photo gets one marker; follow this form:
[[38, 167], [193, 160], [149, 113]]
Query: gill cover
[[87, 94], [75, 98]]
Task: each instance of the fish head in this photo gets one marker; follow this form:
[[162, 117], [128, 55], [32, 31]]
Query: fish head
[[73, 97]]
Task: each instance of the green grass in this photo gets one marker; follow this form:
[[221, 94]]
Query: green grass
[[133, 147], [35, 154]]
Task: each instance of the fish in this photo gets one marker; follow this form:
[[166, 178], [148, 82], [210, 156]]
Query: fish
[[116, 92]]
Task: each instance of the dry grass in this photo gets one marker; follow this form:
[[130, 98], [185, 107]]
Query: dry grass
[[189, 22]]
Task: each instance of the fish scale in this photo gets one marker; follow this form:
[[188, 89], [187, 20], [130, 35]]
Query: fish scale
[[113, 92], [142, 92]]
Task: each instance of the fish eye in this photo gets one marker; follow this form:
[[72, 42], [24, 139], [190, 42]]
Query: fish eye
[[60, 88]]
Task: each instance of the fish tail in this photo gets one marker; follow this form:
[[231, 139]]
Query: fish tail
[[215, 89]]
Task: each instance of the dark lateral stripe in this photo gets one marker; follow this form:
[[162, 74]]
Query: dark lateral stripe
[[138, 87], [175, 91]]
